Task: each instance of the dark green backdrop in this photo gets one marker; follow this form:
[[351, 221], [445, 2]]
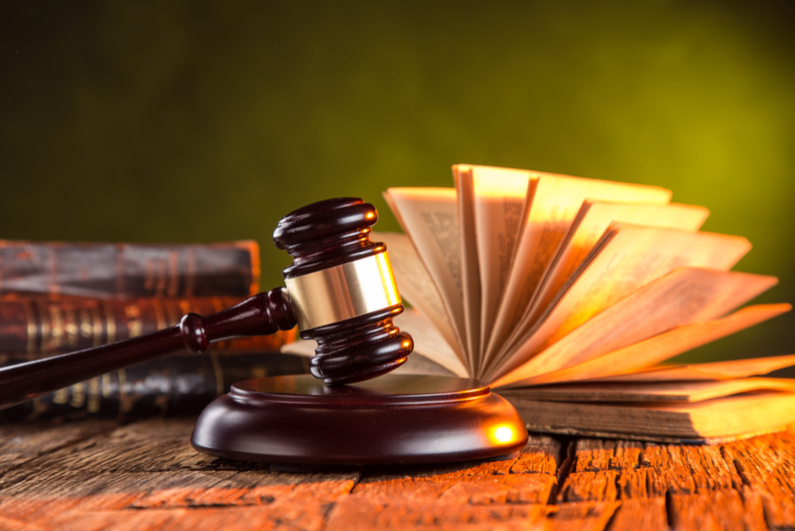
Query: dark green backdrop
[[200, 121]]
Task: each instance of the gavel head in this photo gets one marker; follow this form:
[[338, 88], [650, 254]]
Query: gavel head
[[342, 291]]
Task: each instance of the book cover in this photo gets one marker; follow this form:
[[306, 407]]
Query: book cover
[[129, 270], [36, 327]]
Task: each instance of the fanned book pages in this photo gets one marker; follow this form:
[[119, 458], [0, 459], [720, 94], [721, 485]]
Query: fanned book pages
[[567, 294]]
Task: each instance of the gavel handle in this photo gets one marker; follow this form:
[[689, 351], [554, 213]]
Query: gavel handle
[[261, 314]]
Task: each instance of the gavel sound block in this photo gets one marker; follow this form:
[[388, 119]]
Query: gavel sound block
[[341, 293]]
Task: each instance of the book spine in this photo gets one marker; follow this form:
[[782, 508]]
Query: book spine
[[175, 385], [126, 270], [39, 327]]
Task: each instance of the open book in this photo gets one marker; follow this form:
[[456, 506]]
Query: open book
[[566, 294]]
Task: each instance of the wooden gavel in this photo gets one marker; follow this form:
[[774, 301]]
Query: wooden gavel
[[340, 292]]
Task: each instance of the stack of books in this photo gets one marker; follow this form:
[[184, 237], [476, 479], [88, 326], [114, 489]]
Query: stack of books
[[63, 297]]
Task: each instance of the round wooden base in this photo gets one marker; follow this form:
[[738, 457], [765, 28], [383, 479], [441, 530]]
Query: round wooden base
[[394, 419]]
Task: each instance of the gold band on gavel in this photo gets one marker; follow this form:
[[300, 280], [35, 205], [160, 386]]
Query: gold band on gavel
[[343, 292]]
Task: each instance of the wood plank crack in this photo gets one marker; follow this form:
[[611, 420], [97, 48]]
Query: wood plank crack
[[146, 475]]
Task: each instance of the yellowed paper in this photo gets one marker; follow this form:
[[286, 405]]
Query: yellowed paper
[[640, 361], [429, 218], [693, 391], [491, 204], [555, 202], [683, 297], [591, 223], [718, 370], [633, 257], [415, 284]]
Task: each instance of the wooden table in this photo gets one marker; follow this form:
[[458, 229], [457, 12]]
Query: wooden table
[[97, 475]]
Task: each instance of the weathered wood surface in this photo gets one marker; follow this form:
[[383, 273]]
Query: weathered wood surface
[[99, 475]]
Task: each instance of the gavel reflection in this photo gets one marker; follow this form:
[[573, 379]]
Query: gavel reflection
[[340, 292]]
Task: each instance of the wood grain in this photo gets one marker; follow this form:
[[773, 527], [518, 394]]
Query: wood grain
[[100, 475]]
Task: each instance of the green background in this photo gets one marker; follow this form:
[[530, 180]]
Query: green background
[[200, 121]]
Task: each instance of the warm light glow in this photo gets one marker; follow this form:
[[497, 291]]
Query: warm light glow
[[387, 277], [503, 434], [492, 183]]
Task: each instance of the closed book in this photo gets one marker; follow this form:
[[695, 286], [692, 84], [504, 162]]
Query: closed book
[[174, 385], [124, 270], [36, 327]]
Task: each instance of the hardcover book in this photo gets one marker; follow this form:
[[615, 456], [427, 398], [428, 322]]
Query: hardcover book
[[567, 294], [36, 327], [129, 270]]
